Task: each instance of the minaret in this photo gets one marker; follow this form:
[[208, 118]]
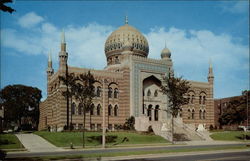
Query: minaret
[[210, 79], [63, 55], [50, 70], [210, 76]]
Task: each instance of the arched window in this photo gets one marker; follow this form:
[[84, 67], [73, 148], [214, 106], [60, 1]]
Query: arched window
[[73, 108], [149, 112], [200, 99], [98, 112], [156, 112], [116, 93], [98, 91], [189, 113], [79, 109], [92, 109], [143, 109], [200, 114], [193, 114], [156, 93], [188, 97], [110, 92], [204, 100], [204, 114], [116, 110], [110, 110], [192, 99], [149, 93]]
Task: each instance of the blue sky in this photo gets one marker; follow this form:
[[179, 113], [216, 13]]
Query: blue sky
[[194, 31]]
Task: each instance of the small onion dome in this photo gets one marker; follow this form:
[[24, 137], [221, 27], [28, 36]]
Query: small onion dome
[[165, 53]]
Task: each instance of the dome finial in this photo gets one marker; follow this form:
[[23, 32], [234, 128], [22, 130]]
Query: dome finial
[[126, 19]]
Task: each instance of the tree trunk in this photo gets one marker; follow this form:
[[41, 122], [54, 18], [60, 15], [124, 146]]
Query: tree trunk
[[172, 129], [83, 133]]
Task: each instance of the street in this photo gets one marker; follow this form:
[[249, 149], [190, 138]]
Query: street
[[225, 156], [110, 150]]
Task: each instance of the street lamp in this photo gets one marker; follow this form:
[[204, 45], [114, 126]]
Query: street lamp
[[103, 113]]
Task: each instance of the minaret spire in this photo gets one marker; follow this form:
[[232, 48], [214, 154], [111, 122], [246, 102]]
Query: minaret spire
[[50, 59], [126, 19], [63, 36], [63, 42], [63, 55], [50, 70]]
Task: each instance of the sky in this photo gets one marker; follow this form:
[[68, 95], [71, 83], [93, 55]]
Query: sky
[[194, 31]]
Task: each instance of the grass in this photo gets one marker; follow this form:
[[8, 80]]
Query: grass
[[9, 141], [114, 154], [229, 135], [63, 139]]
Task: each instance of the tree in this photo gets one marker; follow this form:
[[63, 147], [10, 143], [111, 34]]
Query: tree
[[19, 102], [175, 88], [81, 88], [5, 8], [236, 111], [129, 124]]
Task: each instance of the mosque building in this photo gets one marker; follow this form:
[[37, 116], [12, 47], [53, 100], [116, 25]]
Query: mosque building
[[128, 86]]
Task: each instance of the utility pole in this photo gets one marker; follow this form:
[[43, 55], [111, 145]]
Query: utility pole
[[103, 114]]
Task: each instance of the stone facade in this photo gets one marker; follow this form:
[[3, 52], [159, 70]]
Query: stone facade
[[128, 86]]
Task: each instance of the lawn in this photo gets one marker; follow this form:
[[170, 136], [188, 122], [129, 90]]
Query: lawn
[[230, 135], [63, 139], [9, 141]]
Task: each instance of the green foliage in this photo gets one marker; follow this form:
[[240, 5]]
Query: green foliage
[[5, 8], [150, 130], [129, 124], [236, 111], [98, 139], [229, 135], [175, 88], [9, 141], [63, 139], [81, 88], [20, 101]]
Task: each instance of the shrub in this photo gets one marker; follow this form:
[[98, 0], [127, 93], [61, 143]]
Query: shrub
[[108, 139], [180, 137], [129, 124], [211, 127], [150, 130]]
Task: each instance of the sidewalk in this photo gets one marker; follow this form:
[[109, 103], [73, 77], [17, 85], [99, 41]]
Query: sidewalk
[[35, 143]]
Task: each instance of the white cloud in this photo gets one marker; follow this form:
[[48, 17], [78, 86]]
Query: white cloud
[[191, 50], [20, 42], [236, 6], [30, 19]]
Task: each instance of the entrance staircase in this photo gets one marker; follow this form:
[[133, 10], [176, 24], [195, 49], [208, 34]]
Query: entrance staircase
[[186, 131]]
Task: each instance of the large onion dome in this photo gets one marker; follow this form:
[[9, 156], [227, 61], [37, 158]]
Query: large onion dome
[[115, 43]]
